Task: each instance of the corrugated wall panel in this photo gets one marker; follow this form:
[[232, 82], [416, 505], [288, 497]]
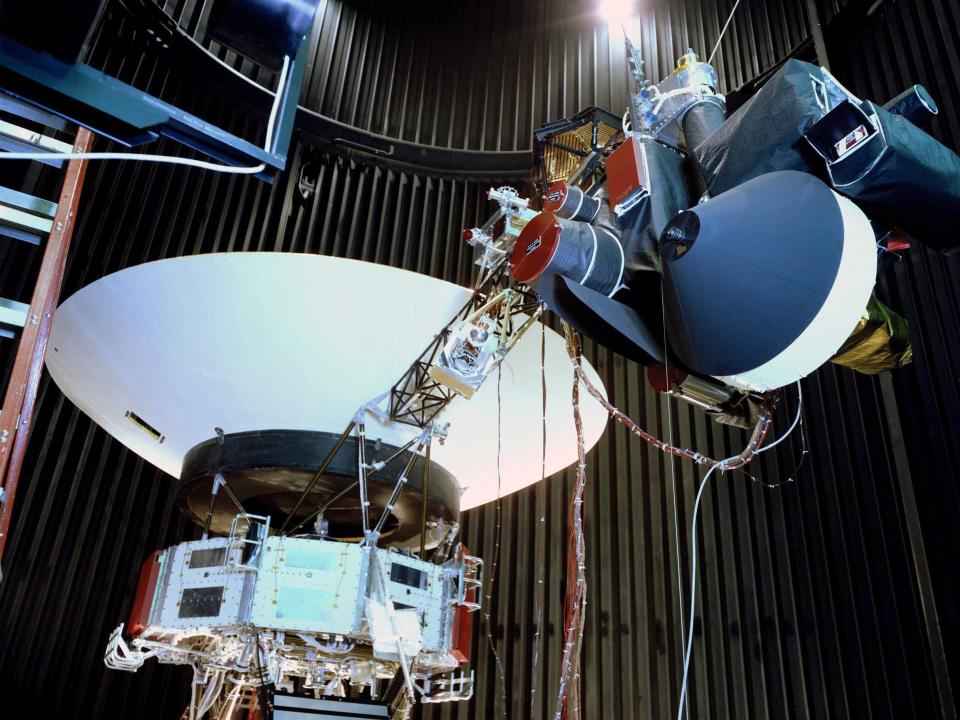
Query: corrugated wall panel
[[485, 75], [811, 595], [889, 49]]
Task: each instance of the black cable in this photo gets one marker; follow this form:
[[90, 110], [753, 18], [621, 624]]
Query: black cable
[[496, 555], [264, 698]]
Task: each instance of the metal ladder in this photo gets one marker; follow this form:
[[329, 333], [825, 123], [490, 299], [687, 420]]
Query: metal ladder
[[39, 222], [470, 584]]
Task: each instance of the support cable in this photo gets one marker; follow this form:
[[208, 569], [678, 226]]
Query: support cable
[[425, 493], [398, 488], [219, 481], [213, 501], [723, 32], [362, 474]]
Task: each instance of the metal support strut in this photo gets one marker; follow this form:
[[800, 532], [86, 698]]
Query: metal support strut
[[319, 474], [425, 490], [422, 442]]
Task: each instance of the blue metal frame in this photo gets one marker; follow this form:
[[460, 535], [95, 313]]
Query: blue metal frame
[[123, 113]]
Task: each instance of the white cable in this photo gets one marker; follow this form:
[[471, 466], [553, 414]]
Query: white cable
[[723, 32], [210, 696], [693, 581], [663, 97], [268, 142], [795, 421], [170, 159], [693, 546], [673, 476]]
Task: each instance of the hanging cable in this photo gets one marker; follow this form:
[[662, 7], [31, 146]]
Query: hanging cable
[[496, 556], [756, 439], [804, 450], [539, 589], [673, 465], [792, 426], [688, 645], [722, 466], [723, 32], [172, 159], [576, 599]]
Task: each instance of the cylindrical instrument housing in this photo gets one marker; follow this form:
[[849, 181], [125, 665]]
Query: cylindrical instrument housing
[[701, 121], [915, 104], [589, 255], [570, 202]]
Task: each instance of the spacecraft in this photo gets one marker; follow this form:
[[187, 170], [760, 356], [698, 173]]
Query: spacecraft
[[734, 256], [327, 420]]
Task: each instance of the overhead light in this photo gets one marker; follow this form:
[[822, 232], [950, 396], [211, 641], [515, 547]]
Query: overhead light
[[616, 12]]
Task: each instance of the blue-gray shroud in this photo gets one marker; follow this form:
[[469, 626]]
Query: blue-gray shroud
[[615, 324], [630, 324], [908, 179], [640, 227], [766, 133], [735, 298], [912, 180]]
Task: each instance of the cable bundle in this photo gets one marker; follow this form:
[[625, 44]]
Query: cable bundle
[[568, 701]]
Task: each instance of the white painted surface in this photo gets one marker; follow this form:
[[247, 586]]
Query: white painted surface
[[838, 316], [260, 341]]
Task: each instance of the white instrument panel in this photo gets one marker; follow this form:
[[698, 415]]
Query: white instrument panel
[[311, 586]]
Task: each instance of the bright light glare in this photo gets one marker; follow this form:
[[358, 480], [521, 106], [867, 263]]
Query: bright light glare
[[616, 12]]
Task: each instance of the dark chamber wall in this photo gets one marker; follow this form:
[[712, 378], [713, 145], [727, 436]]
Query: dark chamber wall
[[834, 596]]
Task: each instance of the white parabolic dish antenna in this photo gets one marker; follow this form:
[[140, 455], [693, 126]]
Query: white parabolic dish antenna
[[282, 341]]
